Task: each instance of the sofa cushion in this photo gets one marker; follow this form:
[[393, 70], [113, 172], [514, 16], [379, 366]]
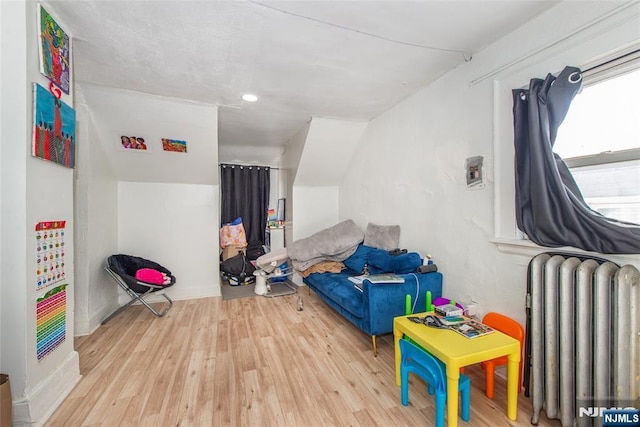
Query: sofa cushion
[[382, 262], [340, 290], [359, 258], [382, 236]]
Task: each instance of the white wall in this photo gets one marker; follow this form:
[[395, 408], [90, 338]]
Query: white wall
[[175, 225], [289, 164], [329, 146], [315, 208], [316, 159], [34, 190], [14, 137], [96, 226], [410, 164], [118, 112]]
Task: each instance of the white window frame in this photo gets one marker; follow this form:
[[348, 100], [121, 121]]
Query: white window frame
[[598, 74]]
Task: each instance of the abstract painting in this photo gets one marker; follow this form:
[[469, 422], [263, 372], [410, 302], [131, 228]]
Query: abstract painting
[[55, 55], [54, 129]]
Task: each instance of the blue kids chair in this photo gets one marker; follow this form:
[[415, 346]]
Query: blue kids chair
[[415, 359]]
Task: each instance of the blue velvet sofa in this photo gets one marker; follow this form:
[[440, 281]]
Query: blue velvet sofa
[[373, 308]]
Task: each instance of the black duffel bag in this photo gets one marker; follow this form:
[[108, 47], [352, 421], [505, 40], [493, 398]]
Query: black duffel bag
[[238, 270], [254, 250]]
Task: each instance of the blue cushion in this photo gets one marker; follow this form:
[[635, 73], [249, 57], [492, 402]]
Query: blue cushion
[[380, 261], [359, 258], [339, 289]]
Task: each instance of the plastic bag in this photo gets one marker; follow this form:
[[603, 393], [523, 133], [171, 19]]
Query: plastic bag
[[233, 234]]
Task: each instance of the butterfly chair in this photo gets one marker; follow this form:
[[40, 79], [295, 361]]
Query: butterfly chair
[[123, 269], [415, 359], [512, 328]]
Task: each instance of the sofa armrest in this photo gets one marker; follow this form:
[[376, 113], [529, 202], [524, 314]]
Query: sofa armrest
[[384, 301]]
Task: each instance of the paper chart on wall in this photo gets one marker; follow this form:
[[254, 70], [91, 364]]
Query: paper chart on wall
[[50, 251], [51, 321]]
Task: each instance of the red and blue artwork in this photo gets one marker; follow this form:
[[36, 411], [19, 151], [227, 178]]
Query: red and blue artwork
[[55, 55], [54, 129], [51, 321], [174, 145]]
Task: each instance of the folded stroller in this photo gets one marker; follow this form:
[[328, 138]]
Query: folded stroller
[[123, 269]]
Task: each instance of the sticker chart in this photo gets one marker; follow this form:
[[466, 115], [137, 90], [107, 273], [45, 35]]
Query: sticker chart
[[51, 313], [49, 253]]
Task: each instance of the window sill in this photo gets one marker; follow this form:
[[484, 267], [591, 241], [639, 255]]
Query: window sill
[[530, 249]]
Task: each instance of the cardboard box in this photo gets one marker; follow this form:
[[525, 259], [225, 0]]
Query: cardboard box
[[5, 401], [231, 251]]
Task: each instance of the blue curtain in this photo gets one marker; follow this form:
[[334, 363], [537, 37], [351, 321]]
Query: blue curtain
[[550, 208]]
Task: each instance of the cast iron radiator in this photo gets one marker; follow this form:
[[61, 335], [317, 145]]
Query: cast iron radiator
[[583, 334]]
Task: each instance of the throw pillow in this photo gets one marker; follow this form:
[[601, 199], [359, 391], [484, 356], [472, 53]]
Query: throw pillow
[[358, 259], [382, 236], [382, 262]]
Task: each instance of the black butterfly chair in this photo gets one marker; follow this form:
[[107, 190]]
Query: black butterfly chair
[[123, 269]]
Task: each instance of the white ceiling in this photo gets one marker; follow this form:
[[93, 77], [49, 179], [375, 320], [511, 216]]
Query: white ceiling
[[348, 60]]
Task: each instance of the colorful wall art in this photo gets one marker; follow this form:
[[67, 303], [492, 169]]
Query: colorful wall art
[[174, 145], [50, 253], [54, 129], [51, 321], [55, 54], [133, 143]]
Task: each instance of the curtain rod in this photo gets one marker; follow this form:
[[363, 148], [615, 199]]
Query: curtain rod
[[604, 64], [248, 166], [552, 44]]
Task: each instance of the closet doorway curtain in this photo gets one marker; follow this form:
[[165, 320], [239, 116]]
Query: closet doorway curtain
[[245, 193]]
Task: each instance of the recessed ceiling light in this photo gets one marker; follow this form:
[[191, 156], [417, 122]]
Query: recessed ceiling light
[[249, 97]]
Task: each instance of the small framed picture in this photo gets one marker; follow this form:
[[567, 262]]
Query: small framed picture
[[133, 143], [174, 145]]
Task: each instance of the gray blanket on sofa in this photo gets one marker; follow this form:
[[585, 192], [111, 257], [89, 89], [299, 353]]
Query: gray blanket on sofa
[[335, 243]]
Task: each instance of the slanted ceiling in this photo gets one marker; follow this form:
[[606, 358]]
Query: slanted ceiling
[[347, 60]]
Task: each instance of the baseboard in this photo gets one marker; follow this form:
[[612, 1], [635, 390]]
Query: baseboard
[[195, 293], [179, 294], [40, 403], [87, 327]]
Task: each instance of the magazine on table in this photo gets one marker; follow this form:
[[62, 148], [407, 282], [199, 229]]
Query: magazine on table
[[471, 329]]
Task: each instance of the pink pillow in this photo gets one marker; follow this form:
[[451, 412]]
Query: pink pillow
[[149, 275]]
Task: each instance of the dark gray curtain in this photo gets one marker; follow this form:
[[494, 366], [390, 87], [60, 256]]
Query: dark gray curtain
[[245, 193], [550, 208]]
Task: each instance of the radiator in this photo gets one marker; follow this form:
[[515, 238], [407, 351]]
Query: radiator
[[584, 335]]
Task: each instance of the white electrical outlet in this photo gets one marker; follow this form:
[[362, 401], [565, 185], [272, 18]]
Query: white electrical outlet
[[473, 309]]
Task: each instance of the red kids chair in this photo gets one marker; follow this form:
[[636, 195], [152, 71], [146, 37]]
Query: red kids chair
[[512, 328]]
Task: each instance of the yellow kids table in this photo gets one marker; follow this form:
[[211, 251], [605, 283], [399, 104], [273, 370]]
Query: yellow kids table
[[457, 351]]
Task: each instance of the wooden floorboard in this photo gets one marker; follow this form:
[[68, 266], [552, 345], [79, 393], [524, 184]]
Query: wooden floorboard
[[253, 362]]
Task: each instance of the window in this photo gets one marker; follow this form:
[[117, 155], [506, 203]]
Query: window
[[600, 140]]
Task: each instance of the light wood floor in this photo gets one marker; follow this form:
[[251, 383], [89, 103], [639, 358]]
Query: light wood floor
[[252, 362]]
